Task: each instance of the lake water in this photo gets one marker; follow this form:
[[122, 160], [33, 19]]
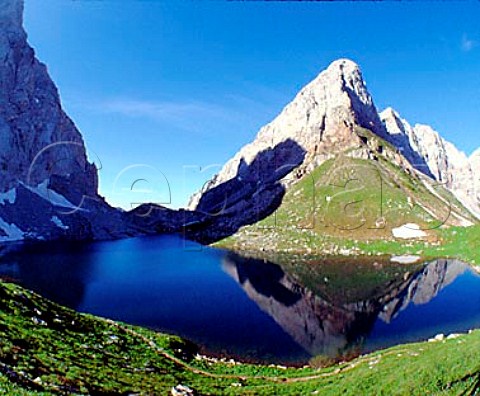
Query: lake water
[[252, 309]]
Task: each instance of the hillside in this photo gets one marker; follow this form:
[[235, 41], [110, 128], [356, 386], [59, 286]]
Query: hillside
[[48, 349], [365, 193]]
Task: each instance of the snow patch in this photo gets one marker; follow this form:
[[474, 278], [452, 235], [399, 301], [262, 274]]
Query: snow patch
[[13, 233], [55, 220], [8, 196], [408, 231], [405, 259], [51, 196]]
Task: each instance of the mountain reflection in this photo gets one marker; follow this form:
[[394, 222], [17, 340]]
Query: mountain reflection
[[326, 320]]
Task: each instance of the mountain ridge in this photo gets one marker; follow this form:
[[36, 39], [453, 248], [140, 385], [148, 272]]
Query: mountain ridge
[[447, 164], [322, 115], [360, 108]]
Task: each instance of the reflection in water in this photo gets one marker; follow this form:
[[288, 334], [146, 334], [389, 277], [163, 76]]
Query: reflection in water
[[285, 312], [329, 328], [59, 272]]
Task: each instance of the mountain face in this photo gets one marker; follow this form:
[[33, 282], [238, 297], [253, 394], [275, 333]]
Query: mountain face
[[48, 189], [448, 165], [38, 141], [334, 116], [320, 120]]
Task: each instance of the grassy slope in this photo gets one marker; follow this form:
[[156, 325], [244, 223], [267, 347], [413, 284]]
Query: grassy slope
[[337, 208], [47, 349]]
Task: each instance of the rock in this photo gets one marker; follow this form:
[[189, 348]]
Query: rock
[[405, 259], [408, 231], [453, 336], [181, 390], [439, 337]]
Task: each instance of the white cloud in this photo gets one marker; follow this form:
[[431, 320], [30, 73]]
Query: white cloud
[[467, 43], [185, 115]]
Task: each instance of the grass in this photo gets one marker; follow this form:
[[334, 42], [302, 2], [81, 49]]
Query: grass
[[350, 206], [47, 349], [456, 242]]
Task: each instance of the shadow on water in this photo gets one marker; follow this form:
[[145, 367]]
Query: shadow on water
[[57, 271]]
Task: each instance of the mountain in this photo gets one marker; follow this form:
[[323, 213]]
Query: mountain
[[48, 188], [330, 133], [319, 122], [329, 160], [448, 165]]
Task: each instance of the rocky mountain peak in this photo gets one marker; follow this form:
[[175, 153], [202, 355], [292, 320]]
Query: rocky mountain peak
[[341, 91], [320, 121]]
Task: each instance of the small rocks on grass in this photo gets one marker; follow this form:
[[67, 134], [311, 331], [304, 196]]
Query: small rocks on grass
[[182, 390], [37, 321], [438, 337], [453, 336]]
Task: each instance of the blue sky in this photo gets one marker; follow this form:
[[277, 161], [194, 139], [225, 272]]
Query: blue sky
[[166, 92]]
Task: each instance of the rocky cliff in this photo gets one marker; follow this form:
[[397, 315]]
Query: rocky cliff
[[38, 140], [48, 188], [448, 165]]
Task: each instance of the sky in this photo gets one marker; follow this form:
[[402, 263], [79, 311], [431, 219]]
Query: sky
[[165, 92]]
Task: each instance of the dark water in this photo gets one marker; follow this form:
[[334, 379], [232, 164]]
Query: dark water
[[250, 308]]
